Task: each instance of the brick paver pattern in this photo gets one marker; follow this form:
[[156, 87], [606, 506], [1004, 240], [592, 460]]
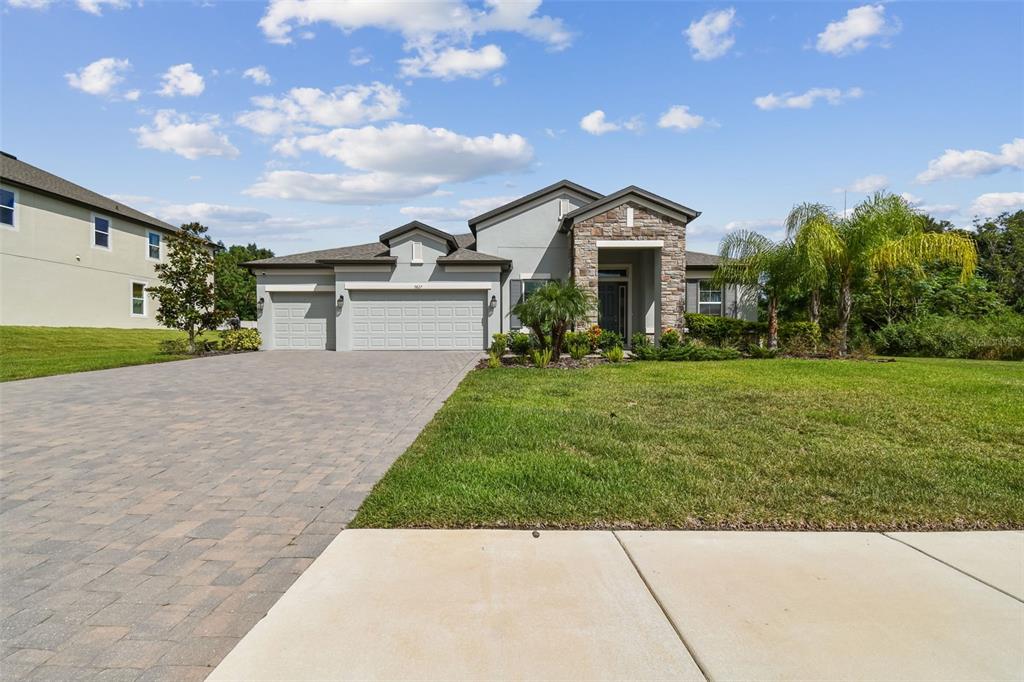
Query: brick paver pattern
[[150, 516]]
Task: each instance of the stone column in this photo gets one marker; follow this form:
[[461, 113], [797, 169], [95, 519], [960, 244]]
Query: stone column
[[584, 265]]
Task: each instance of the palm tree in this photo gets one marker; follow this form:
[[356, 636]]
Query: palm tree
[[882, 233], [552, 310], [760, 266], [812, 266]]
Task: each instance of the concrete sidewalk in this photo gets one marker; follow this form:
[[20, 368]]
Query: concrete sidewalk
[[486, 604]]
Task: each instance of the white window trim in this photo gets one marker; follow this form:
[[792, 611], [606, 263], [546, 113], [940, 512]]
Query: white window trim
[[160, 246], [416, 286], [131, 296], [417, 252], [110, 232], [720, 304], [630, 243], [15, 211], [629, 216]]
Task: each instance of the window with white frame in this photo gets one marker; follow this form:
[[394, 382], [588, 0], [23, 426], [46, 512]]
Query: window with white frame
[[101, 232], [532, 285], [7, 201], [153, 245], [709, 298], [138, 299], [417, 252]]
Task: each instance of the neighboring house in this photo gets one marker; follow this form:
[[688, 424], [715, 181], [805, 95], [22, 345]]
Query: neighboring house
[[422, 288], [70, 257]]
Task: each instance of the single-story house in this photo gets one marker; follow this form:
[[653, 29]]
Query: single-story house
[[422, 288], [70, 257]]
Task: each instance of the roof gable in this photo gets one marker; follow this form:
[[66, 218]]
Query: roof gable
[[417, 225], [533, 196], [650, 199]]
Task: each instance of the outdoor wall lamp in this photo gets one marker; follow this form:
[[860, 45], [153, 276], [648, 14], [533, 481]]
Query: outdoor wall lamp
[[341, 299], [259, 307], [494, 301]]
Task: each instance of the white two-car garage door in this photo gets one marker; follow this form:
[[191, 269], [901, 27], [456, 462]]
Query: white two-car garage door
[[301, 320], [417, 320]]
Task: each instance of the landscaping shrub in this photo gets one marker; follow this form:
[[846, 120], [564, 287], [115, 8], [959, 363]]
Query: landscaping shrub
[[577, 337], [579, 349], [999, 337], [724, 330], [670, 338], [693, 351], [240, 339], [807, 333], [499, 344], [639, 340], [520, 343], [594, 336], [174, 346], [761, 353], [541, 357], [493, 360], [609, 339], [615, 354]]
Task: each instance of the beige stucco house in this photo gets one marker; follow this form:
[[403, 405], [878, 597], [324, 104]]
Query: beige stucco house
[[70, 257]]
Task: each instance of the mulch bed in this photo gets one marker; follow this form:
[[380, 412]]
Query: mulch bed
[[564, 362]]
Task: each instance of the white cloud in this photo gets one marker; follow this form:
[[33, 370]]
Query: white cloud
[[303, 110], [207, 214], [596, 123], [991, 204], [680, 118], [806, 100], [451, 63], [101, 77], [466, 209], [865, 185], [856, 30], [195, 178], [357, 56], [178, 133], [181, 80], [973, 162], [936, 210], [258, 75], [394, 162], [90, 6], [757, 224], [710, 36], [133, 95]]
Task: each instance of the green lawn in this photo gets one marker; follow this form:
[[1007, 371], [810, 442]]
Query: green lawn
[[27, 352], [741, 444]]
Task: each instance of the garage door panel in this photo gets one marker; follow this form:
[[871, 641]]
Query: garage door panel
[[424, 320], [300, 320]]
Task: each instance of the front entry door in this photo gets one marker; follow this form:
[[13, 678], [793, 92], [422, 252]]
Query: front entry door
[[611, 311]]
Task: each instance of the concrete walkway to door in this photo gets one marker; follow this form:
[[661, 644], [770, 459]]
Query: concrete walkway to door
[[151, 515], [636, 605]]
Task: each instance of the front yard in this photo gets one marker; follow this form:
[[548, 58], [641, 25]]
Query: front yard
[[27, 352], [742, 444]]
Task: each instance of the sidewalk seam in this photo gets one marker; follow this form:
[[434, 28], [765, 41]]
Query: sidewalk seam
[[664, 611], [955, 568]]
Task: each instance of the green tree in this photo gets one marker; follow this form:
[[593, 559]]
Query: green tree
[[882, 235], [235, 285], [812, 269], [762, 267], [1001, 256], [550, 311], [186, 291]]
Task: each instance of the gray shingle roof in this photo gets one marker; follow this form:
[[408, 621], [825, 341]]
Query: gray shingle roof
[[697, 259], [471, 256], [18, 172], [360, 253], [568, 219], [560, 185]]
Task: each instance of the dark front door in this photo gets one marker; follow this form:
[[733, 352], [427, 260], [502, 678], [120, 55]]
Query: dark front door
[[611, 310]]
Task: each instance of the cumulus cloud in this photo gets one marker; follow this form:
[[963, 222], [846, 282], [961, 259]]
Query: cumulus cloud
[[394, 162], [865, 185], [91, 6], [973, 162], [100, 77], [181, 80], [303, 110], [451, 63], [856, 30], [679, 117], [178, 133], [806, 100], [937, 210], [436, 31], [357, 56], [991, 204], [258, 75], [209, 214], [596, 123], [466, 209], [710, 36]]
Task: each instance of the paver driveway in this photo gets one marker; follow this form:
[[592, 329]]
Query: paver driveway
[[151, 515]]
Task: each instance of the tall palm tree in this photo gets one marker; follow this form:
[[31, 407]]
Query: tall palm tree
[[552, 310], [760, 266], [813, 267], [882, 233]]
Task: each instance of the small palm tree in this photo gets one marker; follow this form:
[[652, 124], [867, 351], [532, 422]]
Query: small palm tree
[[762, 267], [552, 310], [811, 264], [882, 233]]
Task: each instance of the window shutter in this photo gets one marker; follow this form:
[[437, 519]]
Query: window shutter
[[515, 295], [692, 287]]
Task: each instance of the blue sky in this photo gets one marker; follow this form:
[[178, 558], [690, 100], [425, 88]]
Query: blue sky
[[309, 125]]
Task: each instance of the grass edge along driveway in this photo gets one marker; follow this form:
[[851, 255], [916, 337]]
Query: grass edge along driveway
[[787, 444]]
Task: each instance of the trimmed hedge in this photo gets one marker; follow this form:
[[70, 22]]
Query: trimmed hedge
[[690, 352], [998, 337], [726, 331]]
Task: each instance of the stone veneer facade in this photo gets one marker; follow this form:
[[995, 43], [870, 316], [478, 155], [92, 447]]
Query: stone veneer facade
[[646, 225]]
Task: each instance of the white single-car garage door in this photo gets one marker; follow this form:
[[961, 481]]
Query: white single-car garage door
[[417, 320], [301, 320]]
